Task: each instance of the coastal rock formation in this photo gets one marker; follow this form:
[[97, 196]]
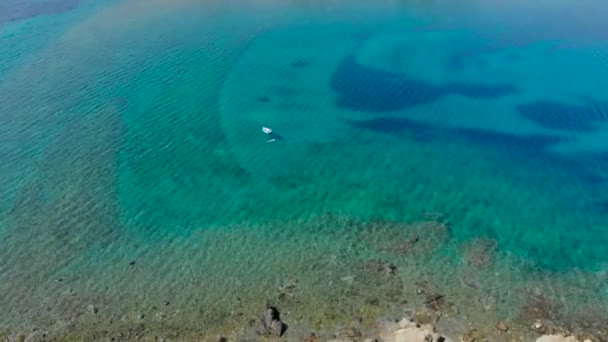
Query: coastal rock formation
[[408, 331], [556, 338], [272, 322]]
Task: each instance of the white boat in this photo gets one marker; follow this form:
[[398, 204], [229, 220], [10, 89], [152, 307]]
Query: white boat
[[266, 130]]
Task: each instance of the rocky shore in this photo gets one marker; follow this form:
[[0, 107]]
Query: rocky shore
[[401, 286], [414, 326]]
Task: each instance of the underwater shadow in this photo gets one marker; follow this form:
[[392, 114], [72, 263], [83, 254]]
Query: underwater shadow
[[366, 89], [528, 147], [564, 116], [13, 10], [531, 144]]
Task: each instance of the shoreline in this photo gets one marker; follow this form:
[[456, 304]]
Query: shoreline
[[422, 325], [406, 273]]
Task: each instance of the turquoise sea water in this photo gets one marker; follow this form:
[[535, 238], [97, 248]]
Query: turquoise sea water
[[467, 144]]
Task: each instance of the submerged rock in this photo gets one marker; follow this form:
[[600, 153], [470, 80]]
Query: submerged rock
[[380, 267], [480, 252], [92, 309], [405, 239], [300, 63], [502, 326], [472, 335], [263, 99], [350, 333], [540, 308]]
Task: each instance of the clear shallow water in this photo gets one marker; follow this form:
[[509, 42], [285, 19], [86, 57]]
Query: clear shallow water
[[130, 133]]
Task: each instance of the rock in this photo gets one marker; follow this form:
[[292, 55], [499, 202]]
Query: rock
[[501, 326], [272, 322], [386, 326], [472, 335], [408, 331], [435, 301], [420, 238], [277, 328], [539, 327], [413, 335], [556, 338], [311, 338], [541, 308], [270, 315], [380, 266], [350, 333], [451, 325], [93, 309]]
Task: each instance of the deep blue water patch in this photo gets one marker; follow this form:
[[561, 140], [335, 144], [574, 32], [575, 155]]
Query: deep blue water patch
[[574, 245], [16, 10], [366, 89], [564, 116], [403, 127], [531, 145]]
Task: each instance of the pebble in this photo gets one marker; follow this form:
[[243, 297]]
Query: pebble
[[501, 326], [350, 332], [311, 338], [539, 326], [93, 309]]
